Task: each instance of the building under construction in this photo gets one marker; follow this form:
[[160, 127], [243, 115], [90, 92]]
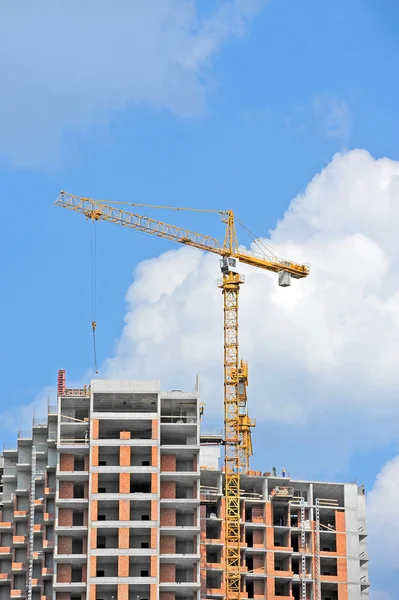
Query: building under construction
[[118, 495]]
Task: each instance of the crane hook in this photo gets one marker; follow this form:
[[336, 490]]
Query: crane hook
[[93, 326]]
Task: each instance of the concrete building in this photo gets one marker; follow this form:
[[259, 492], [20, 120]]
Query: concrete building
[[116, 495]]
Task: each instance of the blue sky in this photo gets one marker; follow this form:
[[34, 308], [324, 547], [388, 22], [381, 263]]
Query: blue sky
[[263, 97]]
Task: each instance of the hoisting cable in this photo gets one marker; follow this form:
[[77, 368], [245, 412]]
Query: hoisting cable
[[93, 278]]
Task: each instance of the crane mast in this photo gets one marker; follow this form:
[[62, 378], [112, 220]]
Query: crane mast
[[233, 464], [237, 424]]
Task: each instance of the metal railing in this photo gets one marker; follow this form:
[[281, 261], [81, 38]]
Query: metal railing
[[178, 419], [211, 433], [39, 422], [77, 391]]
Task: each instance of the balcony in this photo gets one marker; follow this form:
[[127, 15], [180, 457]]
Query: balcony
[[20, 515], [18, 566], [9, 473], [4, 551], [20, 540], [6, 526], [5, 578], [17, 594], [215, 592], [48, 517]]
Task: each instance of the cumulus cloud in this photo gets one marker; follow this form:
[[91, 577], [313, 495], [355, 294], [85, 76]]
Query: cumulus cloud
[[329, 344], [383, 518], [65, 67]]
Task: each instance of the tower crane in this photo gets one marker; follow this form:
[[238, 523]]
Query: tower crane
[[237, 424]]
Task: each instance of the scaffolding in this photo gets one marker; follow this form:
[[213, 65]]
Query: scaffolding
[[31, 523], [317, 586], [303, 548]]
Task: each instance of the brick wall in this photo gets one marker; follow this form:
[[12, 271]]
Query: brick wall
[[123, 566], [124, 483], [155, 429], [124, 435], [93, 537], [257, 537], [154, 566], [94, 456], [154, 538], [168, 544], [94, 510], [167, 596], [67, 462], [342, 569], [93, 566], [258, 562], [64, 545], [66, 489], [124, 510], [95, 429], [64, 573], [123, 591], [340, 529], [154, 456], [123, 537], [94, 483], [259, 587], [124, 456], [63, 596], [154, 510], [167, 573], [168, 517], [65, 517], [168, 489], [154, 483], [168, 462]]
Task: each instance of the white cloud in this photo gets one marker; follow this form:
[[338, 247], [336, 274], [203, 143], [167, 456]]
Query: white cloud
[[20, 417], [335, 116], [328, 344], [65, 67], [383, 518]]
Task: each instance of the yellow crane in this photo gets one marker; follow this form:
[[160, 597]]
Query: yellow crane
[[237, 424]]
